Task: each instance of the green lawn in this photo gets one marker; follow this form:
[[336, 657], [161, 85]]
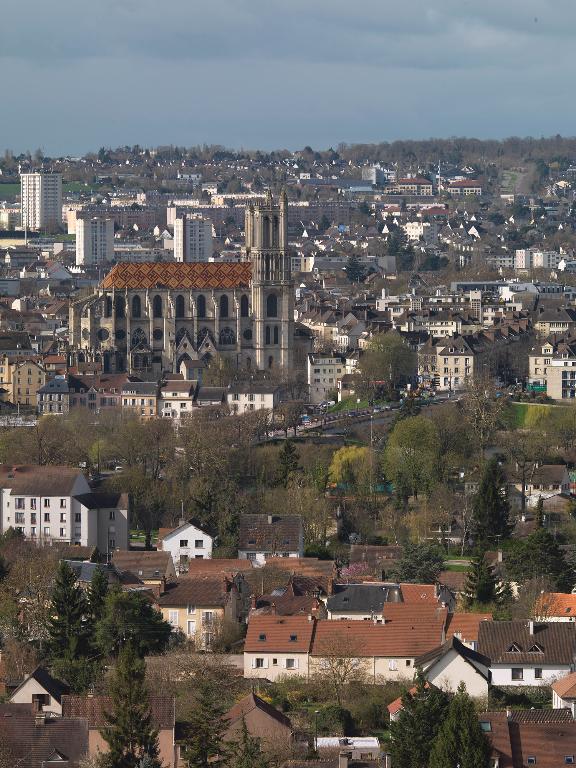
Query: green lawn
[[526, 415], [12, 191]]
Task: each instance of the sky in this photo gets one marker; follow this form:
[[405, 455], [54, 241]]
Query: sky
[[260, 74]]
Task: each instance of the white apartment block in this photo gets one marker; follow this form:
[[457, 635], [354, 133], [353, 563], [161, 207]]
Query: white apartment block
[[532, 258], [252, 397], [41, 195], [94, 240], [324, 373], [192, 238], [51, 505]]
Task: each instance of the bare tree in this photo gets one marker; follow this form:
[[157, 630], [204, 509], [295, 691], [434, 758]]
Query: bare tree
[[339, 663]]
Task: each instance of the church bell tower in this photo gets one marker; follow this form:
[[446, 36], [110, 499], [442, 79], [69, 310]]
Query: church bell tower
[[272, 288]]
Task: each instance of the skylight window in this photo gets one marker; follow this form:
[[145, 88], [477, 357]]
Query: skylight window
[[262, 637]]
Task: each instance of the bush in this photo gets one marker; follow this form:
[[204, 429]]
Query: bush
[[333, 720], [521, 697]]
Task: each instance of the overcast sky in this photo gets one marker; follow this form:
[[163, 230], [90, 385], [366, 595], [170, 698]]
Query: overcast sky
[[80, 74]]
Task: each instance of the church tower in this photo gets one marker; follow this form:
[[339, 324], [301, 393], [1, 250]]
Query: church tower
[[272, 288]]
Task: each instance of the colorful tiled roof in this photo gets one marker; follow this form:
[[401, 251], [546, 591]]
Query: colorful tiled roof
[[179, 276]]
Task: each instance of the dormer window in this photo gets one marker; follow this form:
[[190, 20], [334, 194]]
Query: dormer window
[[262, 637], [535, 649], [293, 638], [514, 648]]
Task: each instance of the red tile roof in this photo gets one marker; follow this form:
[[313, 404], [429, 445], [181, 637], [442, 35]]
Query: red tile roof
[[466, 625], [566, 686], [272, 634], [200, 275]]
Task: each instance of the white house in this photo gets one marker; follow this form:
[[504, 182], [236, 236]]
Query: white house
[[564, 693], [527, 653], [252, 396], [454, 663], [52, 504], [42, 691], [185, 543], [264, 536]]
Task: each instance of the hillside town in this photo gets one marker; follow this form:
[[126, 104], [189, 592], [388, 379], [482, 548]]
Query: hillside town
[[288, 469]]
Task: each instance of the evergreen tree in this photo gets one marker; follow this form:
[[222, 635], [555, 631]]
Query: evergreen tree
[[129, 617], [66, 626], [417, 725], [129, 731], [206, 725], [491, 506], [460, 742], [354, 269], [481, 586], [246, 752], [287, 462], [538, 556], [97, 592], [540, 513]]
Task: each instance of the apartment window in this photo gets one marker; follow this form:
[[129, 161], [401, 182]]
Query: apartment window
[[20, 517], [183, 542], [112, 515], [77, 517], [62, 517], [199, 544], [62, 532], [46, 530], [33, 518], [62, 503], [19, 503], [46, 517], [538, 673], [517, 673], [33, 531], [46, 502], [32, 503]]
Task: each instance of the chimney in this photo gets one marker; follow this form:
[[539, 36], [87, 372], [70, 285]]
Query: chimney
[[508, 714], [39, 719], [343, 759], [252, 602], [273, 609], [270, 519], [36, 705], [531, 627]]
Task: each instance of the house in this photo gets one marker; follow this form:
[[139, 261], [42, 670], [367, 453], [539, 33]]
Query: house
[[37, 740], [370, 599], [42, 691], [564, 693], [252, 396], [546, 480], [527, 653], [139, 398], [176, 399], [198, 607], [55, 504], [265, 536], [278, 645], [379, 560], [263, 721], [299, 596], [466, 627], [28, 376], [155, 569], [555, 606], [453, 663], [185, 543], [91, 710], [324, 374]]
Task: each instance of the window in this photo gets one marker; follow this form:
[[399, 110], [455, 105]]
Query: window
[[62, 503], [199, 543], [191, 608], [20, 517], [112, 515], [201, 306], [262, 636], [157, 306], [62, 532], [112, 544], [47, 530], [517, 673], [19, 503], [183, 542], [244, 305], [46, 517], [514, 648], [259, 663], [77, 517], [408, 662], [392, 665], [223, 306], [32, 503], [538, 673], [293, 638], [272, 305], [208, 617], [179, 306], [62, 517], [531, 760], [486, 726], [274, 662], [569, 759], [46, 502], [290, 663], [173, 618]]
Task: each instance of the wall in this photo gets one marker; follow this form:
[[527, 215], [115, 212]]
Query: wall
[[502, 675], [452, 669], [273, 671]]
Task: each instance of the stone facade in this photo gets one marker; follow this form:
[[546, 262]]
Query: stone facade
[[149, 318]]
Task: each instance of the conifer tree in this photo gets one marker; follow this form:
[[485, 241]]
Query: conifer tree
[[66, 626], [540, 513], [287, 462], [246, 752], [97, 592], [206, 725], [460, 742], [491, 507], [417, 725], [481, 586], [129, 731]]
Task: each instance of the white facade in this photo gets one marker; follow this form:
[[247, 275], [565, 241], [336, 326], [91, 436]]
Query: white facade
[[192, 238], [94, 241], [240, 401], [185, 543], [271, 666], [451, 669], [69, 518], [41, 195], [324, 373], [523, 674]]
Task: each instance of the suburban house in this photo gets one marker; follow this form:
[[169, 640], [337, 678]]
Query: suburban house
[[299, 596], [252, 396], [139, 398], [265, 536], [370, 600], [453, 663], [154, 569], [525, 653], [176, 399], [555, 606], [198, 607], [42, 691], [38, 740], [92, 709], [546, 480], [53, 504], [263, 721], [564, 693], [277, 646], [185, 543]]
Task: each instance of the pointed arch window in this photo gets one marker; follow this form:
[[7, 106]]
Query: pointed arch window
[[275, 334], [267, 334], [244, 306], [108, 307], [271, 305], [224, 306], [179, 306], [120, 306], [201, 306], [136, 307], [157, 306]]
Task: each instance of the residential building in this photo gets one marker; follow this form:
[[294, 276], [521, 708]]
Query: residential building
[[564, 693], [555, 606], [262, 720], [154, 569], [140, 399], [463, 187], [558, 321], [264, 536], [276, 646], [51, 504], [324, 374], [527, 653], [545, 481], [176, 399], [28, 376], [192, 238], [252, 396], [454, 663], [91, 710], [200, 607], [94, 240], [41, 201], [185, 543], [42, 691], [415, 186], [526, 259]]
